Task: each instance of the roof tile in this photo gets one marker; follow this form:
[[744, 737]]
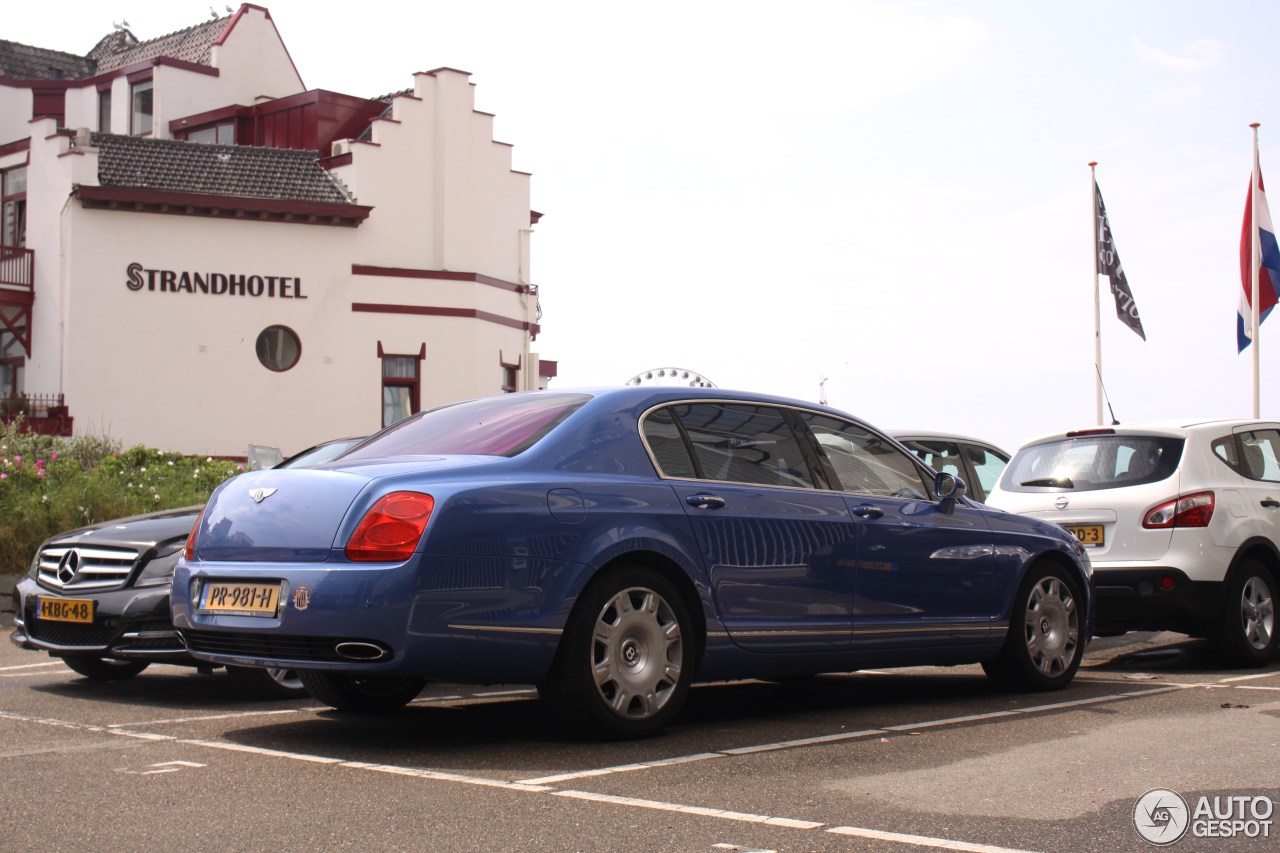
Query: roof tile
[[23, 62], [224, 170]]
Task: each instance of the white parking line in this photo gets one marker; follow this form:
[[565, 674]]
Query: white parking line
[[724, 814], [1253, 677], [948, 721], [806, 741], [921, 840], [31, 665], [606, 771]]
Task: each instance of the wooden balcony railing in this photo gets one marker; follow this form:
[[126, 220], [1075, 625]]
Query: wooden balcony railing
[[17, 268]]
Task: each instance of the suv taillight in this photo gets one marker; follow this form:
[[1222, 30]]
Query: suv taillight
[[1187, 511], [390, 530]]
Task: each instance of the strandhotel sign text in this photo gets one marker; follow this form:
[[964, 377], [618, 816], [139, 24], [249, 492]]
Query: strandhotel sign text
[[214, 283]]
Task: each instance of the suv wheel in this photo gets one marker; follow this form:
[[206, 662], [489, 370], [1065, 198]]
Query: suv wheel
[[1246, 631]]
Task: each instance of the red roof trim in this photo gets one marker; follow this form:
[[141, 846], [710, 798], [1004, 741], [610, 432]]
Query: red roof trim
[[234, 207], [14, 147], [438, 275], [435, 311], [327, 163]]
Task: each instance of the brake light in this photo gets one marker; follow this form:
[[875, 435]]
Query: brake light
[[390, 530], [1187, 511], [1080, 433], [189, 552]]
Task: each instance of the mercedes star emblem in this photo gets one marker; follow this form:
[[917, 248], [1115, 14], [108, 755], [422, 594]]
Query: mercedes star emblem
[[69, 566]]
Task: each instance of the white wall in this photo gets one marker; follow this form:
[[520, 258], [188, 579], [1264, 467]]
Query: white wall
[[15, 113]]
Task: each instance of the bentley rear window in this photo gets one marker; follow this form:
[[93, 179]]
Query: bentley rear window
[[490, 426]]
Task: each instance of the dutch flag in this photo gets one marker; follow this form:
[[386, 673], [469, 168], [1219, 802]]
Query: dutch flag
[[1269, 262]]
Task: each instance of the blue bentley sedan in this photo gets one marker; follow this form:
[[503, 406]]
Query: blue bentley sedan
[[612, 547]]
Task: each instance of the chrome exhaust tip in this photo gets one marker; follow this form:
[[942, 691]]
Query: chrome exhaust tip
[[366, 652]]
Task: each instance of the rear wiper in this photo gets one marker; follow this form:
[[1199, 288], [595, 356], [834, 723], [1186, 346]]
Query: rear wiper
[[1060, 482]]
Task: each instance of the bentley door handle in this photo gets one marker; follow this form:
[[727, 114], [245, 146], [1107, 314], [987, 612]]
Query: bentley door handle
[[705, 501]]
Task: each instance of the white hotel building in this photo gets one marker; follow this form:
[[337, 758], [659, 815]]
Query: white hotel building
[[198, 253]]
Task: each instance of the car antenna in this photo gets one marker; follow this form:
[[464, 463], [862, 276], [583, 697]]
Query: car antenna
[[1107, 397]]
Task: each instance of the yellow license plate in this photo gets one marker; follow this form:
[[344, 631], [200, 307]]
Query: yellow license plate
[[1089, 534], [240, 599], [66, 609]]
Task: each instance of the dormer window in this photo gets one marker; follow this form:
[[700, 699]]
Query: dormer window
[[141, 112], [104, 108]]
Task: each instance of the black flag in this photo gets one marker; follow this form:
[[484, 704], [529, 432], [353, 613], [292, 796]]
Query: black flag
[[1110, 266]]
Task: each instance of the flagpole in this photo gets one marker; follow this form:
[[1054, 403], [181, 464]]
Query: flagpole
[[1255, 253], [1097, 307]]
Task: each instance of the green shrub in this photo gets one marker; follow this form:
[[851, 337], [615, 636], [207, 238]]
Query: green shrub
[[49, 485]]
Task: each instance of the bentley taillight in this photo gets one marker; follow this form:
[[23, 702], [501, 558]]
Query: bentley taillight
[[1187, 511], [189, 552], [390, 530]]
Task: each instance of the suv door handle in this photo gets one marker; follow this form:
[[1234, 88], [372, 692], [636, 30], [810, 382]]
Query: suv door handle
[[705, 501], [867, 511], [1270, 503]]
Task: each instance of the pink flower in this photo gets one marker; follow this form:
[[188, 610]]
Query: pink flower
[[53, 458], [3, 476], [39, 463], [17, 459], [40, 472]]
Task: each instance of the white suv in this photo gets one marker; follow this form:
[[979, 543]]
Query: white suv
[[1181, 519]]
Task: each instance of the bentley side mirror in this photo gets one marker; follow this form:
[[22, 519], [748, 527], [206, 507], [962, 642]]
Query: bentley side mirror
[[948, 488]]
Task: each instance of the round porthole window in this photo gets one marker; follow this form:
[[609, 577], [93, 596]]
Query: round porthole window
[[278, 348]]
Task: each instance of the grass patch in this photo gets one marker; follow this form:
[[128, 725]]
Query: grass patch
[[50, 484]]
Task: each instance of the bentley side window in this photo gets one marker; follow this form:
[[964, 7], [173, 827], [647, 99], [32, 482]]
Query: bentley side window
[[743, 443], [865, 463]]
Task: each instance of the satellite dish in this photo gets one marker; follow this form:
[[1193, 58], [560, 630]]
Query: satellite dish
[[671, 376]]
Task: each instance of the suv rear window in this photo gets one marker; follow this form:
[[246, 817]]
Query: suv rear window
[[1092, 462]]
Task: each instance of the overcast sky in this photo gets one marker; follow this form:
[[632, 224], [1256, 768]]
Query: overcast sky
[[895, 196]]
